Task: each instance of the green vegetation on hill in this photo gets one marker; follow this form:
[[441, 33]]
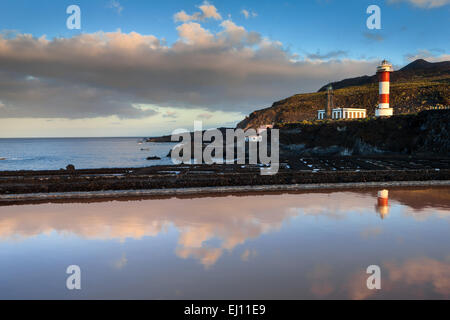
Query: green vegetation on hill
[[418, 86]]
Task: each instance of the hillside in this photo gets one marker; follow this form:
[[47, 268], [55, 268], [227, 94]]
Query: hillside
[[418, 86]]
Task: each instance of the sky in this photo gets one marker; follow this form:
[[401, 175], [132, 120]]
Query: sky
[[145, 68]]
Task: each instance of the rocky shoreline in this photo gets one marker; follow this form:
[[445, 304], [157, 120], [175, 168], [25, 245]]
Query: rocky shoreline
[[126, 195], [307, 171]]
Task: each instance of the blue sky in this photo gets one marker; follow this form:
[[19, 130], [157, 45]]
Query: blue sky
[[302, 26], [244, 63]]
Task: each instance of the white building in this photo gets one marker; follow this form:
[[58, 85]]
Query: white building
[[258, 137], [343, 113], [253, 139]]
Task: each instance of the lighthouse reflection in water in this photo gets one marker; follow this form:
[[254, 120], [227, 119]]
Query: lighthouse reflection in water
[[311, 245], [382, 205]]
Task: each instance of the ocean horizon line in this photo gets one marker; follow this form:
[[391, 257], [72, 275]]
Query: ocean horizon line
[[74, 137]]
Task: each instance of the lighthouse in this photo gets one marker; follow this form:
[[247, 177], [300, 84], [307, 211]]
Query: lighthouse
[[383, 72]]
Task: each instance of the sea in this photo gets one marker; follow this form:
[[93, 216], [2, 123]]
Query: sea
[[83, 153]]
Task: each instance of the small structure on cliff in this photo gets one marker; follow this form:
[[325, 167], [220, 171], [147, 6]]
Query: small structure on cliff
[[259, 130], [330, 112], [343, 113]]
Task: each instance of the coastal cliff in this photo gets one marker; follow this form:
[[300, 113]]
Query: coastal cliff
[[427, 132]]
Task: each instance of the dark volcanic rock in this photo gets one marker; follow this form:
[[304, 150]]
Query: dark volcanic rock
[[425, 133], [164, 139], [181, 176]]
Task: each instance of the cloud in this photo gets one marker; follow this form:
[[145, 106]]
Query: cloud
[[410, 277], [373, 36], [234, 35], [182, 16], [329, 55], [200, 116], [428, 55], [427, 4], [170, 114], [208, 11], [257, 215], [114, 4], [52, 98], [421, 271], [110, 73], [321, 278], [249, 14], [193, 33]]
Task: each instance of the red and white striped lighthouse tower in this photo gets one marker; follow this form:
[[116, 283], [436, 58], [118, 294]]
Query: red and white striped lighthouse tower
[[383, 71]]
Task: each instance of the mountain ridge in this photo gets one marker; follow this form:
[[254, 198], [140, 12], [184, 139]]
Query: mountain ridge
[[404, 74], [415, 87]]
